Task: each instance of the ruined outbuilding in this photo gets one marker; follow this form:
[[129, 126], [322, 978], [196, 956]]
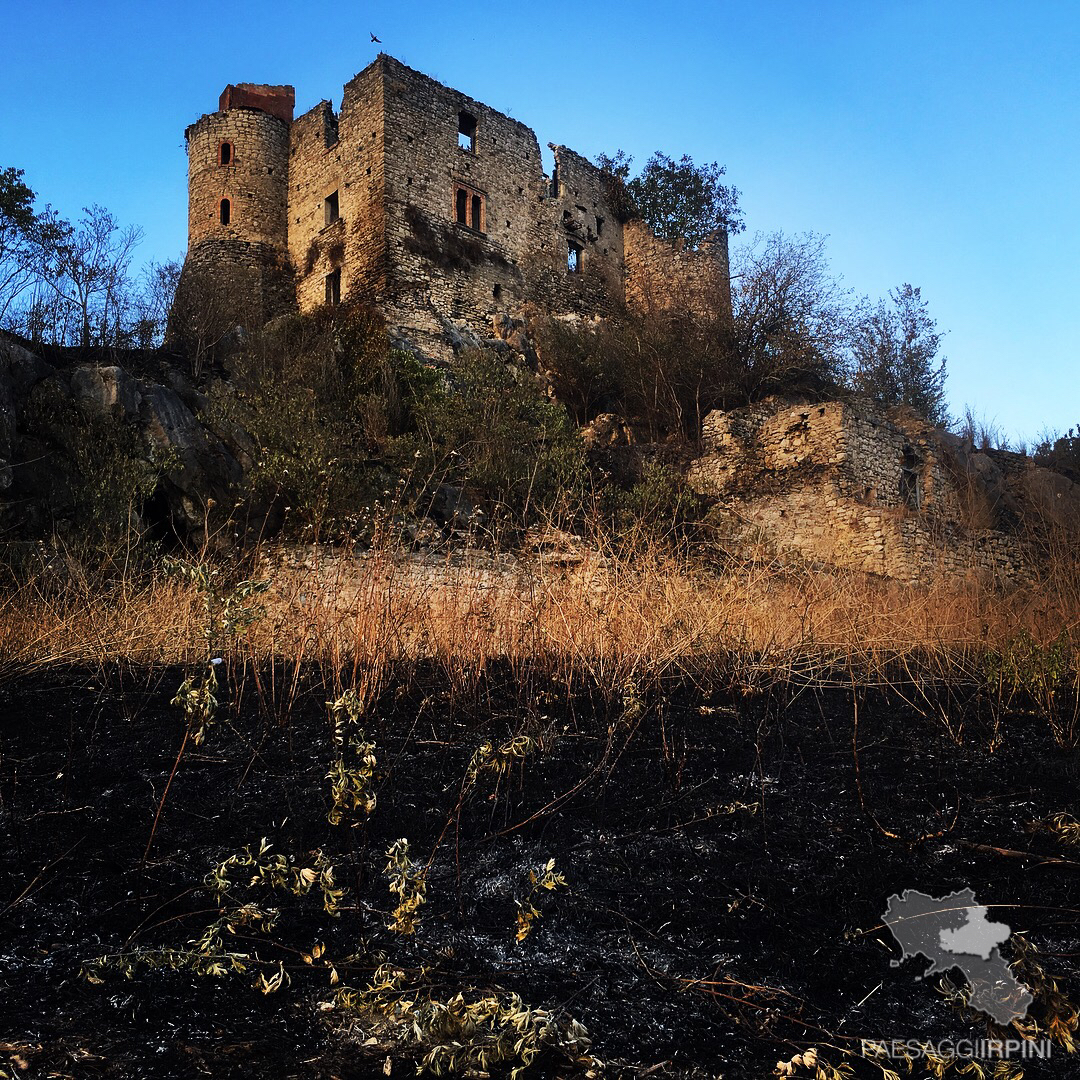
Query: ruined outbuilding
[[857, 485], [418, 198]]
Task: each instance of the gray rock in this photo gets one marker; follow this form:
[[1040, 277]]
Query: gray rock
[[105, 391]]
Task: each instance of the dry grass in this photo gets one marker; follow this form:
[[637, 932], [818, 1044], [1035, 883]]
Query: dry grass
[[611, 620]]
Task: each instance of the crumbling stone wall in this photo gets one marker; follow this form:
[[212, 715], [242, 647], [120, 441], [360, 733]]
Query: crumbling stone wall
[[667, 276], [427, 202], [849, 484]]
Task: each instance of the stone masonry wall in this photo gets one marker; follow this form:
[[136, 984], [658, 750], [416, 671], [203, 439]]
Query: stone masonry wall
[[339, 156], [316, 245], [847, 484], [254, 181], [517, 253], [666, 276], [442, 269]]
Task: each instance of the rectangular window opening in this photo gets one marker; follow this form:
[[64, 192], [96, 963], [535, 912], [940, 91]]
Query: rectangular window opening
[[333, 287], [467, 132], [574, 257], [330, 209]]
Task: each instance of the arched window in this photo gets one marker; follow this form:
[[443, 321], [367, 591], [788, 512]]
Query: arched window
[[224, 212], [225, 153]]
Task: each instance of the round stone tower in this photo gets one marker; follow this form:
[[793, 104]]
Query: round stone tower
[[238, 175]]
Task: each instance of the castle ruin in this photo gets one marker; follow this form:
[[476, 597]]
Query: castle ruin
[[423, 201], [859, 485]]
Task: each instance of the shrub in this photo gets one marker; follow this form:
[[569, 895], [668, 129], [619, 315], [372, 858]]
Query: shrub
[[322, 396], [660, 507], [491, 430], [661, 373]]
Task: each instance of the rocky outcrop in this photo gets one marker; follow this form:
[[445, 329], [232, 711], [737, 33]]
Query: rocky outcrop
[[74, 437]]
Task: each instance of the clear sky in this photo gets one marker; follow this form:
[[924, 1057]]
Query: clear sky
[[933, 141]]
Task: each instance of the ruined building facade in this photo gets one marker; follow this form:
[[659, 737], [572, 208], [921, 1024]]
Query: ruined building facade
[[859, 485], [424, 201]]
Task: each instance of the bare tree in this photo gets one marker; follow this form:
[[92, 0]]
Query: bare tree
[[792, 319], [152, 301], [88, 270]]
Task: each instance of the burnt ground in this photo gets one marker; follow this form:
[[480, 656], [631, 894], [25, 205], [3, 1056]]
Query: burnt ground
[[726, 880]]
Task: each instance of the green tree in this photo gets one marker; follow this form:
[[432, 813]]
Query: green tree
[[16, 199], [895, 347], [24, 238], [674, 198]]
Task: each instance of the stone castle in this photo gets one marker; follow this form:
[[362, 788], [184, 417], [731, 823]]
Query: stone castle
[[423, 201]]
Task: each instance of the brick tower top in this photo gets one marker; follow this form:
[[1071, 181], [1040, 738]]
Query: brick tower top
[[276, 100]]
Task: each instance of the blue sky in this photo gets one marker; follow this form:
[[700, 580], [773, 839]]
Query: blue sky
[[933, 141]]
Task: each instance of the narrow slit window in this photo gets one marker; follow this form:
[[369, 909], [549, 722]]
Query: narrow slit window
[[476, 219], [910, 479], [466, 127], [461, 206], [333, 286], [224, 212], [225, 153], [574, 256], [330, 209]]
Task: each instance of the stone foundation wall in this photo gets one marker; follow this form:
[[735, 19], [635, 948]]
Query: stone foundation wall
[[848, 484], [228, 282], [820, 525]]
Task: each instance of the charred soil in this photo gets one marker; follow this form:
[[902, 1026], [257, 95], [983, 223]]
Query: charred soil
[[728, 858]]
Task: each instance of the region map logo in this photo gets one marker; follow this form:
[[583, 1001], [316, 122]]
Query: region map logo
[[953, 931]]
